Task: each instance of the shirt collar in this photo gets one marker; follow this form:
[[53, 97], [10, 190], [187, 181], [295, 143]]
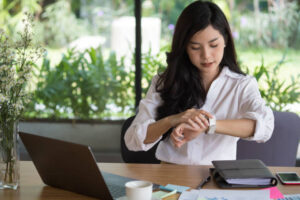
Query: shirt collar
[[227, 72]]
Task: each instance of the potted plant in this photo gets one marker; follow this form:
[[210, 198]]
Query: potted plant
[[16, 65]]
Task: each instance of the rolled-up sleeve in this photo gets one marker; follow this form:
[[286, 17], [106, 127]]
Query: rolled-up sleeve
[[252, 106], [136, 133]]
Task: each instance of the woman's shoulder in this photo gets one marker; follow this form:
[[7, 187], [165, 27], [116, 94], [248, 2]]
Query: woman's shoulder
[[240, 80], [237, 77], [157, 81], [155, 78]]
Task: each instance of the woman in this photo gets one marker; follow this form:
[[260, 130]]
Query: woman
[[203, 103]]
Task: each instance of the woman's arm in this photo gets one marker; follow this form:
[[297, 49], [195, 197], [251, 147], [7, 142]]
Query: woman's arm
[[242, 128], [186, 132], [158, 128]]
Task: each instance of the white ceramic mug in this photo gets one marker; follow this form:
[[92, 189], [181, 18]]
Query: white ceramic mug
[[138, 190]]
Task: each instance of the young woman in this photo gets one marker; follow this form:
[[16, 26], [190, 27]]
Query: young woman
[[203, 103]]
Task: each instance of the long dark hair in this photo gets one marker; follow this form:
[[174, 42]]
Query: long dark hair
[[180, 85]]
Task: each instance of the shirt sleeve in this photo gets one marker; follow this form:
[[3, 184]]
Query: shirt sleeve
[[136, 133], [252, 106]]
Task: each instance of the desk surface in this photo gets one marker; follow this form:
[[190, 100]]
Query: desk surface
[[32, 187]]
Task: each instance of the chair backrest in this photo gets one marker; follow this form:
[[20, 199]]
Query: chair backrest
[[136, 156], [281, 149]]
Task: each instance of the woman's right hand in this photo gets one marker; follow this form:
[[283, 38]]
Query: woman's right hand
[[190, 114], [192, 123], [184, 133]]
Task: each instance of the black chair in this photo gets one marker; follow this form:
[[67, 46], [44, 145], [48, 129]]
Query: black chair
[[136, 156], [281, 149]]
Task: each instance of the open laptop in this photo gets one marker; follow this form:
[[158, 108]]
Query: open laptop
[[72, 167]]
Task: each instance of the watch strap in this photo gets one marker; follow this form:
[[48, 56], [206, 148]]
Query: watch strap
[[212, 126]]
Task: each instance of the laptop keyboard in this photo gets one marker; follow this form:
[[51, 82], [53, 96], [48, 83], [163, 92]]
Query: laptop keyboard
[[115, 184], [116, 191]]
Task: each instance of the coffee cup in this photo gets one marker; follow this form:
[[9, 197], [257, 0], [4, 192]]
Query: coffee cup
[[138, 190]]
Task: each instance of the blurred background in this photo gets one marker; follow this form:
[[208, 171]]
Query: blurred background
[[88, 69]]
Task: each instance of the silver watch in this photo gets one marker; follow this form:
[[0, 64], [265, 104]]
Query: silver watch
[[212, 126]]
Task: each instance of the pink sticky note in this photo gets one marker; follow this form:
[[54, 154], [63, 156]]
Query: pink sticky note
[[274, 193]]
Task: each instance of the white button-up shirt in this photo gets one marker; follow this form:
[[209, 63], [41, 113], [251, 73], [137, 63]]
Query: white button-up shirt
[[230, 96]]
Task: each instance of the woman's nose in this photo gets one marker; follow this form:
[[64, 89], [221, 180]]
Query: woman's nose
[[205, 53]]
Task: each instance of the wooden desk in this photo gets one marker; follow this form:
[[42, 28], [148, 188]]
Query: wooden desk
[[32, 187]]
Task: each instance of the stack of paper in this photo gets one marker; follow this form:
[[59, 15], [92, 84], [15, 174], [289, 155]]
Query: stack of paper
[[204, 194]]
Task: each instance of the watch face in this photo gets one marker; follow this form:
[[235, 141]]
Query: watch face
[[212, 121]]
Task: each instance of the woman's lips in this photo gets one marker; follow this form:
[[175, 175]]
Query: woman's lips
[[207, 64]]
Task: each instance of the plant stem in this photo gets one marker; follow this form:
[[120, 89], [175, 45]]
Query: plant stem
[[8, 151]]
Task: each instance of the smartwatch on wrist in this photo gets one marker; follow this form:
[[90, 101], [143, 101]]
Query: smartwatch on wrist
[[212, 126]]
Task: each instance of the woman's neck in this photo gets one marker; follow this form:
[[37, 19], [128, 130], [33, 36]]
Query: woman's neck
[[208, 78]]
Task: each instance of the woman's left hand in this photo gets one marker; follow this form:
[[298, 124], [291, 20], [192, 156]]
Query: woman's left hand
[[186, 132]]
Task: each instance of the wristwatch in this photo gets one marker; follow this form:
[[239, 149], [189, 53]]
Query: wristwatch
[[212, 126]]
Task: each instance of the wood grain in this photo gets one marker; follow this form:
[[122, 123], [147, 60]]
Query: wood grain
[[32, 187]]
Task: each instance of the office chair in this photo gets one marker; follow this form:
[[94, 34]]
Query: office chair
[[136, 156], [281, 149]]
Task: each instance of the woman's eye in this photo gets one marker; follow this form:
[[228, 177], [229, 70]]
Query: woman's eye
[[195, 48], [214, 46]]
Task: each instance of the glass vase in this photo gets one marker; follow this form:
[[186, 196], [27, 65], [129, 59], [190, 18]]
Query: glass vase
[[9, 156]]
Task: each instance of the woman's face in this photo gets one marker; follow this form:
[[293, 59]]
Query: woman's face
[[206, 50]]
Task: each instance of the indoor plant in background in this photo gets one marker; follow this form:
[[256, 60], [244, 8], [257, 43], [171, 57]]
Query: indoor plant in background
[[16, 66]]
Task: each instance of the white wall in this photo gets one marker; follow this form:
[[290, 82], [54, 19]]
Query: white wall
[[103, 138], [123, 35]]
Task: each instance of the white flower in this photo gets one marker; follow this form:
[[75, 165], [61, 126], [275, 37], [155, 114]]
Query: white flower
[[21, 81], [27, 76], [2, 98]]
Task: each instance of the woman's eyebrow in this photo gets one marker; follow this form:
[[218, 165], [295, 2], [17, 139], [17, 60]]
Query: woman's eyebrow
[[210, 41], [213, 40]]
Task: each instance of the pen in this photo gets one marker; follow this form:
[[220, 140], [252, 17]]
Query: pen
[[204, 182], [169, 194], [166, 188]]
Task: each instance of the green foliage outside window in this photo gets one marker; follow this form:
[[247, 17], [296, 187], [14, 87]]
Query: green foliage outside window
[[89, 85], [81, 86], [11, 15], [152, 64], [277, 93], [277, 28], [58, 25]]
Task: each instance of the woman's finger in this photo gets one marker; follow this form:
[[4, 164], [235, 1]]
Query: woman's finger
[[202, 124], [178, 131], [176, 138], [177, 134], [193, 124], [206, 113], [177, 143], [203, 119]]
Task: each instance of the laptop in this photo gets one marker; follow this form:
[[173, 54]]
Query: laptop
[[72, 167]]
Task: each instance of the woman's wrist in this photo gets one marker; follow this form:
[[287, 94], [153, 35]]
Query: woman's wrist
[[171, 121]]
